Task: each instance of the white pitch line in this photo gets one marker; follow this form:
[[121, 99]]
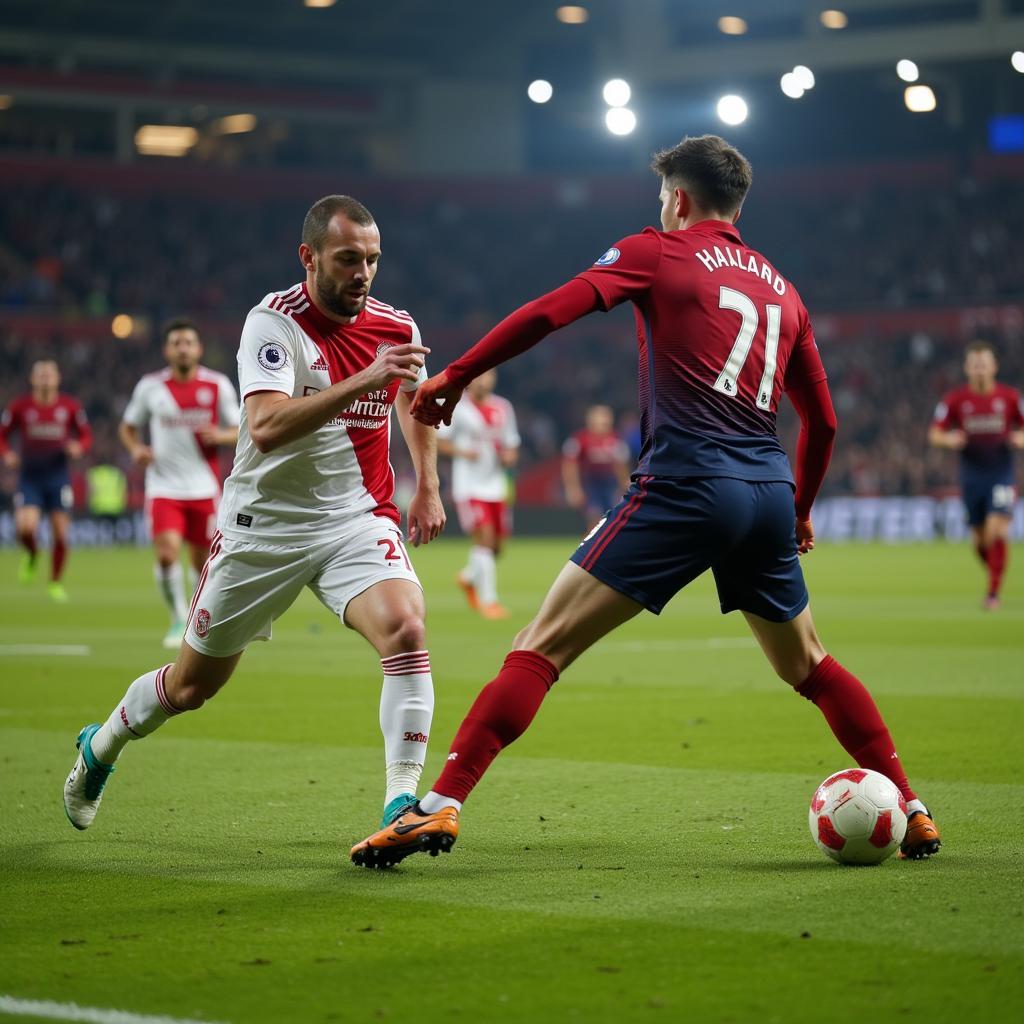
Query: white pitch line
[[60, 650], [90, 1014]]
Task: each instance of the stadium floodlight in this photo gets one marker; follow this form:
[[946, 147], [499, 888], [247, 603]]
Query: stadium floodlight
[[920, 99], [540, 90], [732, 109], [233, 124], [804, 76], [165, 139], [319, 3], [907, 70], [122, 326], [834, 19], [1017, 61], [572, 14], [616, 92], [730, 25], [790, 86], [620, 120], [6, 102]]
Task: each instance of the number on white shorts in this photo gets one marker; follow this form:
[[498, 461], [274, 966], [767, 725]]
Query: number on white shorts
[[729, 298]]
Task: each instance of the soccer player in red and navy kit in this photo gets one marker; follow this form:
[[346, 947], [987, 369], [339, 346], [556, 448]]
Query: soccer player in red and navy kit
[[595, 465], [721, 335], [984, 421], [54, 430]]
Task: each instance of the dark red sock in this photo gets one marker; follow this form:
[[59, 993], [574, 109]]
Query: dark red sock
[[998, 556], [501, 714], [28, 542], [855, 720], [58, 556], [981, 551]]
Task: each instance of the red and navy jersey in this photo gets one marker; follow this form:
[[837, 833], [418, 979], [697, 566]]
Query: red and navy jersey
[[597, 455], [721, 335], [45, 431], [987, 420]]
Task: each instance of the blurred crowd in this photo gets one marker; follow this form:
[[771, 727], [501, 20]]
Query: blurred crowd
[[459, 267]]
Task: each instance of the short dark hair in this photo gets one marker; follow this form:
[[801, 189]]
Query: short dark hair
[[314, 227], [178, 323], [717, 175], [979, 345]]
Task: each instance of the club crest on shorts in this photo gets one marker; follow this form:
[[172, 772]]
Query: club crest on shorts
[[202, 624], [272, 356]]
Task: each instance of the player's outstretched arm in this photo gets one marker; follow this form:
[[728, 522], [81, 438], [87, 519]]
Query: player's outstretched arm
[[426, 516], [436, 399], [276, 419], [813, 403], [939, 437]]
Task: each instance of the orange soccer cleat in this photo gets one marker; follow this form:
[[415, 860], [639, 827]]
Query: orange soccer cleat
[[495, 611], [469, 590], [413, 832], [922, 839]]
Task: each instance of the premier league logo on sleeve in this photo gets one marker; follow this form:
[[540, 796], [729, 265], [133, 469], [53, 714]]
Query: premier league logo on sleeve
[[272, 356], [608, 258]]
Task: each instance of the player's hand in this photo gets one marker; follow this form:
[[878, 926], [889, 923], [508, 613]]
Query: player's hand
[[399, 362], [804, 536], [426, 517], [435, 400], [575, 497], [11, 460], [142, 455], [1017, 439], [209, 436], [73, 449], [956, 439]]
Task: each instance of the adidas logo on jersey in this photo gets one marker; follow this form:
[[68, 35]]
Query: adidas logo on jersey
[[320, 364]]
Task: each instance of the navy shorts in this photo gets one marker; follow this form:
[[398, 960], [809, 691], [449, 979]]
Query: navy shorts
[[601, 495], [50, 492], [665, 533], [985, 495]]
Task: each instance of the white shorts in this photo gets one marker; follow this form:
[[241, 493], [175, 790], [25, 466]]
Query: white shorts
[[245, 586]]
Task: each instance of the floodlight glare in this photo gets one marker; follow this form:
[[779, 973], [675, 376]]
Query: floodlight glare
[[540, 91], [730, 25], [1017, 61], [616, 92], [804, 76], [907, 70], [834, 19], [732, 109], [790, 86], [620, 120], [919, 98]]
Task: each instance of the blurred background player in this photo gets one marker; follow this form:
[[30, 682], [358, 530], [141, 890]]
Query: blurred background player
[[54, 430], [722, 338], [189, 410], [483, 444], [309, 503], [983, 420], [595, 465]]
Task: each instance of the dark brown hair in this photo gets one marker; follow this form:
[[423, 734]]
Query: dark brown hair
[[979, 346], [314, 227], [178, 323], [716, 175]]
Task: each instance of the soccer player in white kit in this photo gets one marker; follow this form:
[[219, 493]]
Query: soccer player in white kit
[[483, 443], [308, 503], [189, 411]]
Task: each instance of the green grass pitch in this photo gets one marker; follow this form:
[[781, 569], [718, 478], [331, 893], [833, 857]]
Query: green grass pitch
[[642, 854]]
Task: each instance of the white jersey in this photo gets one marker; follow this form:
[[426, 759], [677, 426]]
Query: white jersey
[[312, 487], [483, 429], [183, 468]]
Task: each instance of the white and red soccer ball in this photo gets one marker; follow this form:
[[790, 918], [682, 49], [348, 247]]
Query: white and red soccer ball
[[858, 816]]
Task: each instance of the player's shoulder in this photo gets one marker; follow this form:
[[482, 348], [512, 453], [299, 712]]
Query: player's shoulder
[[377, 309], [498, 402], [68, 401], [1009, 391], [205, 374], [287, 303]]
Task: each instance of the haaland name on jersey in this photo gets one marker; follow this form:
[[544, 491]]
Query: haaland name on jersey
[[740, 262]]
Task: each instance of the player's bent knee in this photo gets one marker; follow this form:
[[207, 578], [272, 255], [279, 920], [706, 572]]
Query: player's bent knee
[[409, 634]]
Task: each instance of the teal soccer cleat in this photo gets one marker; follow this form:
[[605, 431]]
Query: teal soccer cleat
[[84, 787]]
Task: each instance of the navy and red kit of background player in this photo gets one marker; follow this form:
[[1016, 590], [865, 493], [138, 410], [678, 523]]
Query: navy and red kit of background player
[[598, 457], [44, 479], [720, 336]]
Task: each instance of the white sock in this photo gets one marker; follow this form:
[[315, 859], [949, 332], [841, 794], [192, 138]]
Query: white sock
[[169, 580], [143, 709], [406, 709], [915, 805], [434, 802], [468, 571], [485, 576]]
